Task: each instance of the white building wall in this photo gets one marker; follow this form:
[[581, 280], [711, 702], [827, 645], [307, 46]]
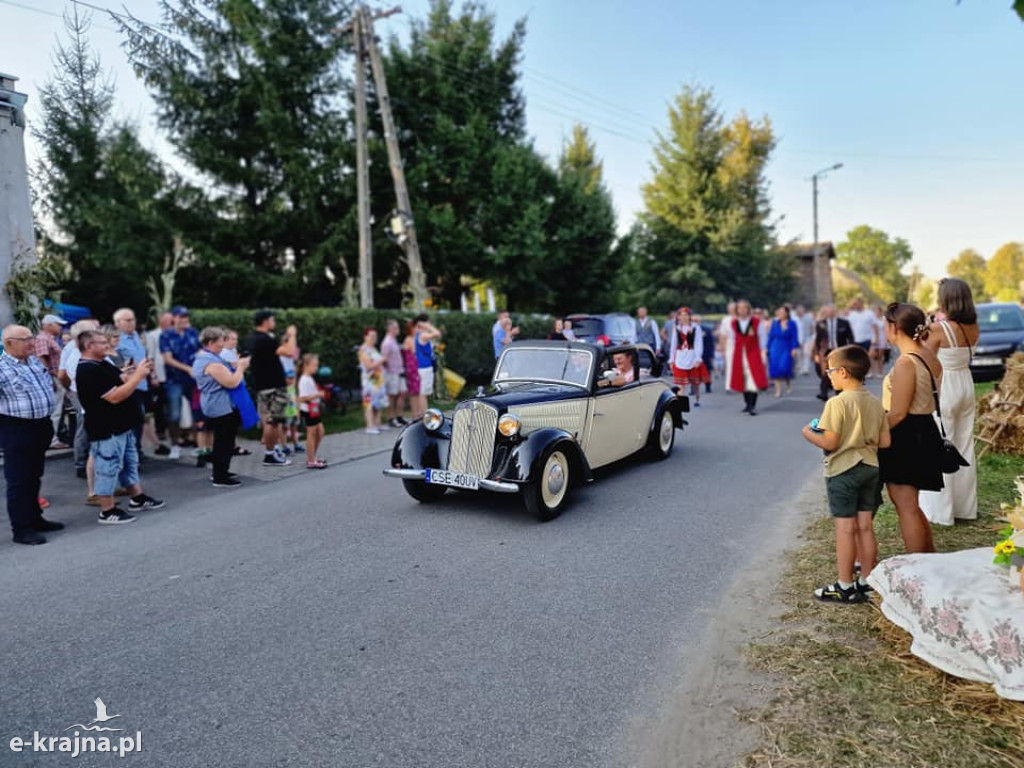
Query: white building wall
[[16, 232]]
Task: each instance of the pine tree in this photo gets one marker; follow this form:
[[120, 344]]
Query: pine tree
[[582, 231], [705, 236], [104, 198]]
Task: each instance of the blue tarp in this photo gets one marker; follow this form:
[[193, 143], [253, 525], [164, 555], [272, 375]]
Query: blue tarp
[[69, 312]]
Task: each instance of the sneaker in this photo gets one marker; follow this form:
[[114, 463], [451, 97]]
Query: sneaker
[[115, 516], [865, 588], [394, 423], [202, 457], [145, 502], [229, 482], [299, 448], [373, 431], [174, 453], [42, 524], [402, 421], [162, 450], [42, 502], [274, 460], [285, 450], [834, 593]]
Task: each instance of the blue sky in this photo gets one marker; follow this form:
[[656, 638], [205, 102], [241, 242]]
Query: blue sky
[[921, 100]]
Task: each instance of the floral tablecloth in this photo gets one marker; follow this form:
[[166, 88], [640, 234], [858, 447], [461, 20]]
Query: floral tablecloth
[[963, 613]]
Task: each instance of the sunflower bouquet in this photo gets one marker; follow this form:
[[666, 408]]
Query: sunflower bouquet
[[1009, 551]]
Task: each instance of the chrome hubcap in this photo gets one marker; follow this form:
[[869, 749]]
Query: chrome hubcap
[[556, 478], [666, 431], [554, 483]]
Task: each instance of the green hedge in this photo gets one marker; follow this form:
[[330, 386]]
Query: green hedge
[[333, 334]]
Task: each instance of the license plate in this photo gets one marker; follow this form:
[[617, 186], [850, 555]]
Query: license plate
[[453, 479], [988, 361]]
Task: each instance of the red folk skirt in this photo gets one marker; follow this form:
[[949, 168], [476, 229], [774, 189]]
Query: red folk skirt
[[685, 377]]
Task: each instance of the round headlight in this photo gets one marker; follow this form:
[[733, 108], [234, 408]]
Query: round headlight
[[509, 425], [433, 419]]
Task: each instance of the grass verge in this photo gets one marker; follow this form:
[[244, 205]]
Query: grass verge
[[846, 691]]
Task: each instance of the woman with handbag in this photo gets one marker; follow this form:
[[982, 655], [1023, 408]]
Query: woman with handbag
[[952, 339], [913, 463], [215, 379], [311, 405]]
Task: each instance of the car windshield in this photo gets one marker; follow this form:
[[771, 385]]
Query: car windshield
[[587, 327], [619, 327], [568, 366], [1007, 318]]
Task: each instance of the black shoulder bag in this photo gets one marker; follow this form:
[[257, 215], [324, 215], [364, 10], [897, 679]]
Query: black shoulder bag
[[950, 459]]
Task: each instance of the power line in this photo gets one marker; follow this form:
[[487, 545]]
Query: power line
[[44, 12]]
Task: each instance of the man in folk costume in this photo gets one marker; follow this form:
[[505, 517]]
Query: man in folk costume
[[686, 351], [747, 373]]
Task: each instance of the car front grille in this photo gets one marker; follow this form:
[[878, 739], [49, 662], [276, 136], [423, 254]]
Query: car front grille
[[473, 433]]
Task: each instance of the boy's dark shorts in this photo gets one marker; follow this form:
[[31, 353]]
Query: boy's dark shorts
[[310, 421], [858, 489]]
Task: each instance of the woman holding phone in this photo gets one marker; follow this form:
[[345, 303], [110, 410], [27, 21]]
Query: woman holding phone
[[215, 379]]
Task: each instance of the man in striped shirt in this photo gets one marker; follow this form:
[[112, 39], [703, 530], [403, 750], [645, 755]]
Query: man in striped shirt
[[26, 402]]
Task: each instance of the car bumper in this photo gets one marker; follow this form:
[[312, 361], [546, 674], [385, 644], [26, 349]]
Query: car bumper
[[496, 486]]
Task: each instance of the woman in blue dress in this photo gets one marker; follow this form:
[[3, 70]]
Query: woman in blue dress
[[783, 347]]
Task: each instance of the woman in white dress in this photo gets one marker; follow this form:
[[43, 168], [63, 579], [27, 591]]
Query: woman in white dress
[[952, 339]]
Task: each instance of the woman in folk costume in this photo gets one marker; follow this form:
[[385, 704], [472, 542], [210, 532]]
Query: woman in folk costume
[[747, 373], [686, 351]]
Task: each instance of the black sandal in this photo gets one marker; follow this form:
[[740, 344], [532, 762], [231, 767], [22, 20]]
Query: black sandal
[[239, 451], [834, 593]]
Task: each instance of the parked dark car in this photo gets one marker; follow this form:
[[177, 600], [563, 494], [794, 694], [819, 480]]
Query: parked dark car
[[1002, 334], [555, 411], [607, 330]]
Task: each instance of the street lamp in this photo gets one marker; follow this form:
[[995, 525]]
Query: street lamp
[[814, 183]]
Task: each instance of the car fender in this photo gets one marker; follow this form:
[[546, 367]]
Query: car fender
[[677, 406], [526, 455], [419, 448]]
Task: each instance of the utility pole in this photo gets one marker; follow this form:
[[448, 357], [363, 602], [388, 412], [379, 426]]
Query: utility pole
[[417, 279], [814, 184], [366, 47], [362, 171]]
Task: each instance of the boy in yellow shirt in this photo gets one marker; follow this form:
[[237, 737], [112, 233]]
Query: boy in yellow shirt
[[851, 429]]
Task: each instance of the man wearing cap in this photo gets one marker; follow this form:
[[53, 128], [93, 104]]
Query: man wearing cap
[[26, 402], [48, 352], [178, 345]]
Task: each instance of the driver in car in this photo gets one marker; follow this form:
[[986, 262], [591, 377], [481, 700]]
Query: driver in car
[[621, 374]]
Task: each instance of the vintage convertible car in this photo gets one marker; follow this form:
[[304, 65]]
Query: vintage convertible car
[[555, 411]]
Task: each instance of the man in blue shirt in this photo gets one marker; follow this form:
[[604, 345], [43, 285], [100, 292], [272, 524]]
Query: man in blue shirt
[[503, 333], [179, 345], [131, 347], [26, 401]]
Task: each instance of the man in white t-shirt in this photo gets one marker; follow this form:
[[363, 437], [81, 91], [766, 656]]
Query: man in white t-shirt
[[862, 323]]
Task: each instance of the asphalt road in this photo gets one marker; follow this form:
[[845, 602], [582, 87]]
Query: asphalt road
[[329, 620]]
